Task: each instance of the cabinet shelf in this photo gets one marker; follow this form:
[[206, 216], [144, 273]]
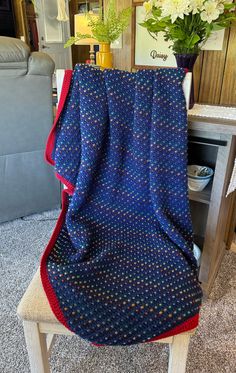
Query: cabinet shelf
[[204, 196]]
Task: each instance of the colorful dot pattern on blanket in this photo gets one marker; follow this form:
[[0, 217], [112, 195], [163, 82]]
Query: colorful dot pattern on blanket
[[121, 269]]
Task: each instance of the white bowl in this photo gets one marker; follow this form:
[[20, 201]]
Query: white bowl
[[197, 254], [199, 177]]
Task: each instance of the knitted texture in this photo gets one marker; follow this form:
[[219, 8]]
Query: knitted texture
[[120, 268]]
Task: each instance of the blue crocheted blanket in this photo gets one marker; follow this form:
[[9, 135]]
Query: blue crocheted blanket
[[119, 268]]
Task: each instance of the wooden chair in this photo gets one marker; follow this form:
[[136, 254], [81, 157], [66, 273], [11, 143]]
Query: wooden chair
[[41, 326]]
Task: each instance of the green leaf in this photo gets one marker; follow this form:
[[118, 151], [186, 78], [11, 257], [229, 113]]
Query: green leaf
[[229, 6], [143, 24], [70, 42], [217, 27], [156, 12], [177, 33], [166, 20], [83, 36], [195, 39], [153, 25]]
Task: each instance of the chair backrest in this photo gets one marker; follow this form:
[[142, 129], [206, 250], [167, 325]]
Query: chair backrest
[[186, 85], [187, 88]]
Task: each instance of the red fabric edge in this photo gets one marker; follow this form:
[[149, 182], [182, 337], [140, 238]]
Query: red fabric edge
[[52, 299], [51, 138], [187, 325], [71, 187]]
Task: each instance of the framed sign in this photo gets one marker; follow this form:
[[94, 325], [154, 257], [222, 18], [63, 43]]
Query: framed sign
[[215, 41], [147, 50]]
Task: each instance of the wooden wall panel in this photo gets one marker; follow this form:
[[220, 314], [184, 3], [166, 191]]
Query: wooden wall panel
[[228, 92], [212, 74], [197, 71]]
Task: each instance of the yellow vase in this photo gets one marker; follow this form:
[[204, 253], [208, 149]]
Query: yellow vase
[[104, 56]]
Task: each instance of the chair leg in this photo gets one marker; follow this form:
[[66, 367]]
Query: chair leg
[[178, 353], [50, 339], [36, 347]]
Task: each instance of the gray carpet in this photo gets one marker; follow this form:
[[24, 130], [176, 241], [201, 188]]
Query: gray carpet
[[212, 349]]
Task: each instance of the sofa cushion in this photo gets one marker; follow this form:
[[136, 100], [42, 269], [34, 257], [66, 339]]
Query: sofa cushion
[[13, 50]]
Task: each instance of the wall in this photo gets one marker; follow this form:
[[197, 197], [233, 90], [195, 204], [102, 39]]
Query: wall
[[214, 73]]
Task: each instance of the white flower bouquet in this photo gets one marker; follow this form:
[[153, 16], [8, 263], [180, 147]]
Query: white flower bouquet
[[187, 23]]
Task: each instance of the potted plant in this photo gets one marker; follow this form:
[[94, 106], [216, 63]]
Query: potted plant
[[187, 24], [105, 28]]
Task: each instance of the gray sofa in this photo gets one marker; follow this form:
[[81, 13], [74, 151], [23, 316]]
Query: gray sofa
[[28, 184]]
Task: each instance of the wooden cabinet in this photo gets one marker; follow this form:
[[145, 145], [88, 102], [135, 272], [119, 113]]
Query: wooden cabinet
[[212, 142]]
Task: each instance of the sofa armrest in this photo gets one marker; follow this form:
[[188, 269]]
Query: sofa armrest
[[40, 64]]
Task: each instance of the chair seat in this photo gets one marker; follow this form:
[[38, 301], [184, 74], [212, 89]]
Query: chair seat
[[34, 305], [41, 326]]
